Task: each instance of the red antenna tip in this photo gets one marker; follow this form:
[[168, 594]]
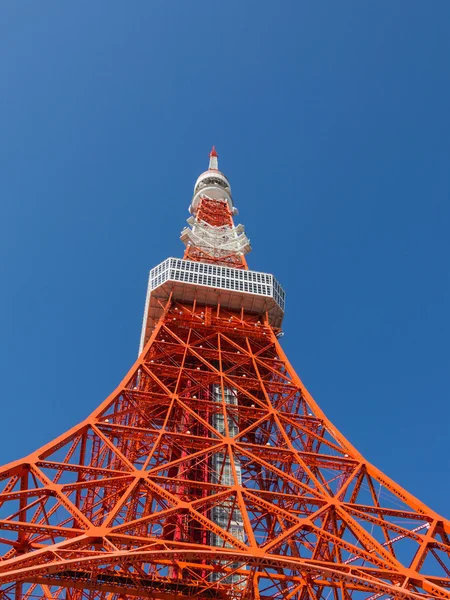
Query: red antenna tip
[[213, 152]]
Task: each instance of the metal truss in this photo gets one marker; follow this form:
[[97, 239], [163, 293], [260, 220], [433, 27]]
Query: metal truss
[[211, 473], [215, 215], [212, 415]]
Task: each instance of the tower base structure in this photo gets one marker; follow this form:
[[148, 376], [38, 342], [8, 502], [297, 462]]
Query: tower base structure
[[122, 505]]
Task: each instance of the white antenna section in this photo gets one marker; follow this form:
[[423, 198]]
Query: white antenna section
[[217, 241], [213, 160]]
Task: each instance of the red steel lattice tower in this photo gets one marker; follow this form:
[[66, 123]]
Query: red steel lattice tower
[[210, 472]]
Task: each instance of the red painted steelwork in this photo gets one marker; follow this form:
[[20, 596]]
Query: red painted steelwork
[[141, 499], [120, 506], [218, 214]]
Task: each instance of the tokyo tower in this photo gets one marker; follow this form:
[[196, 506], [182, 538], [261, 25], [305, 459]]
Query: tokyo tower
[[210, 472]]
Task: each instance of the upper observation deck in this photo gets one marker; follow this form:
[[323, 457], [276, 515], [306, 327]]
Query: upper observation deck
[[210, 285]]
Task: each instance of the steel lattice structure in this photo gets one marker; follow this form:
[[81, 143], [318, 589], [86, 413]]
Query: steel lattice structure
[[210, 472]]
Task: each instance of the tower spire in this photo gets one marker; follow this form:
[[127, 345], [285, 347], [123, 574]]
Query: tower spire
[[212, 236], [213, 160]]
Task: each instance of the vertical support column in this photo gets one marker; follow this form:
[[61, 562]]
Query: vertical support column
[[226, 515]]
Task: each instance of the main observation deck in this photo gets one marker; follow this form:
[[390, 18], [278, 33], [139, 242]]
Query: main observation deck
[[210, 285]]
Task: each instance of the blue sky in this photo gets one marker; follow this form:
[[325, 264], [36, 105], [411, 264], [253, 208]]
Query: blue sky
[[332, 122]]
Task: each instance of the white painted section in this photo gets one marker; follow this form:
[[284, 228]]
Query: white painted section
[[216, 241], [214, 185], [143, 341], [213, 163]]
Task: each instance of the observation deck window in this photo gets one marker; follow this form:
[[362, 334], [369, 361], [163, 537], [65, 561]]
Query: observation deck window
[[212, 181]]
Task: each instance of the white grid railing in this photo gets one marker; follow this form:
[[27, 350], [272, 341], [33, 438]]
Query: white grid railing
[[215, 276]]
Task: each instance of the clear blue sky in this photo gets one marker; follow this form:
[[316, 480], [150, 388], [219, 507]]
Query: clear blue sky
[[332, 121]]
